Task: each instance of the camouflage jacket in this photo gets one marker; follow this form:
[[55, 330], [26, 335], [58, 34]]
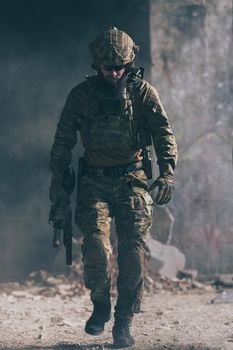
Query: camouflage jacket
[[129, 122]]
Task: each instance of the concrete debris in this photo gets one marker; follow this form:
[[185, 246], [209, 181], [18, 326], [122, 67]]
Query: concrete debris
[[53, 281], [165, 259], [225, 281], [38, 276], [20, 294], [196, 284], [223, 298], [191, 274], [41, 284]]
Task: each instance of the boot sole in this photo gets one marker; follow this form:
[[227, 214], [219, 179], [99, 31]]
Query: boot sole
[[118, 345], [94, 332]]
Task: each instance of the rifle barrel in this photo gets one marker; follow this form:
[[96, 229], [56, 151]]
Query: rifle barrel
[[69, 255]]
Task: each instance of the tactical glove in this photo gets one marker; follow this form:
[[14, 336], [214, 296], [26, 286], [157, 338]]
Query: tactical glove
[[57, 192], [165, 186], [59, 199]]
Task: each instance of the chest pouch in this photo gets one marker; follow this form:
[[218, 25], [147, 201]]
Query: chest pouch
[[109, 123]]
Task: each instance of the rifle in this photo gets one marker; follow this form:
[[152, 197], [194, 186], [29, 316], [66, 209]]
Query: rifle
[[136, 73], [61, 215]]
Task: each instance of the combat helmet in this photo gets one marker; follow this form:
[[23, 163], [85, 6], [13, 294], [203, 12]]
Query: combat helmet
[[112, 47]]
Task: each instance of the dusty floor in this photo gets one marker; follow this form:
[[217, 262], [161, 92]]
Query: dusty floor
[[167, 321]]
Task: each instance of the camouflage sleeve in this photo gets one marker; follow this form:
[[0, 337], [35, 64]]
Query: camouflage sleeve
[[163, 138], [66, 135]]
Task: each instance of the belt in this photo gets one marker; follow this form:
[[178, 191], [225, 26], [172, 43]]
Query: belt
[[113, 171]]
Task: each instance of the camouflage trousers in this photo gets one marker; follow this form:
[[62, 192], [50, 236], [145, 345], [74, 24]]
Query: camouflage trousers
[[128, 201]]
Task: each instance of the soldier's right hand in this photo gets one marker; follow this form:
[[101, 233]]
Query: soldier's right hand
[[60, 202], [57, 192]]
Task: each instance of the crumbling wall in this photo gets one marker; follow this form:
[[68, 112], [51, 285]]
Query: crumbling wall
[[193, 72]]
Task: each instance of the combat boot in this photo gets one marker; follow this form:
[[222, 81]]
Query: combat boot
[[100, 315], [121, 334]]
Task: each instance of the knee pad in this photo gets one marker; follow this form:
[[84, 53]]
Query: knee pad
[[136, 244], [95, 259], [93, 250]]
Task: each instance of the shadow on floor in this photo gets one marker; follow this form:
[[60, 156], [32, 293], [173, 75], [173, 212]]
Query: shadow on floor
[[105, 346]]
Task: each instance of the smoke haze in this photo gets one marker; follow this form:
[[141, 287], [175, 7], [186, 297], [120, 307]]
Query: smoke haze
[[43, 55]]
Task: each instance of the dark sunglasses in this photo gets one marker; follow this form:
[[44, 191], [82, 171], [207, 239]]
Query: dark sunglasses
[[115, 68]]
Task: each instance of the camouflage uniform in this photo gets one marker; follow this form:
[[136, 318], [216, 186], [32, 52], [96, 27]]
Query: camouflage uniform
[[110, 128]]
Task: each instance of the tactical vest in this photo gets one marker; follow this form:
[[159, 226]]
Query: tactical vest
[[114, 123]]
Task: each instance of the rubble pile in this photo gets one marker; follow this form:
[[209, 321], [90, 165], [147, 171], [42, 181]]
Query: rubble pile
[[66, 285], [154, 282], [41, 283], [184, 282]]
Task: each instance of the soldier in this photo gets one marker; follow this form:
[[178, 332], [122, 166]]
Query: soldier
[[118, 115]]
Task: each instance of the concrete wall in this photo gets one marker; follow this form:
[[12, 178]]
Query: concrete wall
[[191, 53]]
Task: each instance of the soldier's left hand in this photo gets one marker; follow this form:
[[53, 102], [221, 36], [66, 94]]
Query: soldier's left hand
[[165, 186]]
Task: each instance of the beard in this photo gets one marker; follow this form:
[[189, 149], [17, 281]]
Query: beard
[[112, 81], [113, 86]]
